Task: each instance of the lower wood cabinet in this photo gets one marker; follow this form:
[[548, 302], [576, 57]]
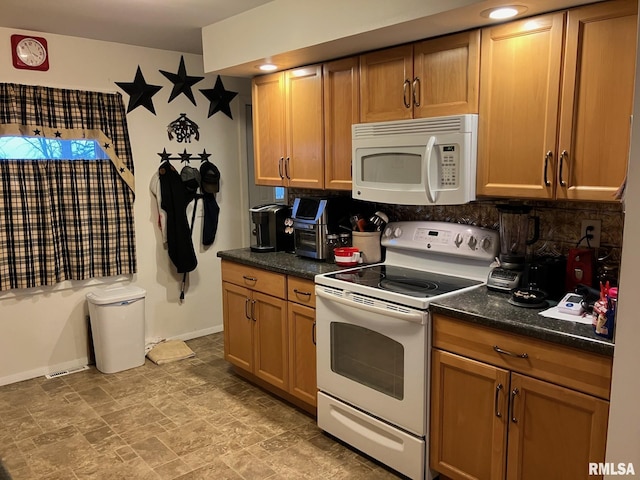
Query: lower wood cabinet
[[270, 337], [491, 421]]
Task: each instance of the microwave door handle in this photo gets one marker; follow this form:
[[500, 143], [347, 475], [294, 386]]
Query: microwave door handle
[[427, 155]]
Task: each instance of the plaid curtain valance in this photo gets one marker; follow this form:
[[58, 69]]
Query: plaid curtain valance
[[65, 219]]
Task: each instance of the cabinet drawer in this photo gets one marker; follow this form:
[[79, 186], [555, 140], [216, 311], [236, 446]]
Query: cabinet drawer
[[301, 291], [269, 283], [573, 368]]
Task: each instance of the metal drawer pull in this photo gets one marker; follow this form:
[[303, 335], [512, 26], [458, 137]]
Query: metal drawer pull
[[514, 394], [313, 333], [511, 354], [253, 310], [250, 279], [280, 162], [498, 388], [416, 88], [406, 102], [300, 292], [548, 156]]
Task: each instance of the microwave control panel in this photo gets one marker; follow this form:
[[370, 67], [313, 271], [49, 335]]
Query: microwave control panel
[[449, 176]]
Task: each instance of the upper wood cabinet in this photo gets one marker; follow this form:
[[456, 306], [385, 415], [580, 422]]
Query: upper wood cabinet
[[288, 128], [431, 78], [341, 81], [543, 134]]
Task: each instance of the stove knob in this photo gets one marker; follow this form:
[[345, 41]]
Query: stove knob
[[473, 242], [458, 240], [486, 244], [387, 232], [397, 232]]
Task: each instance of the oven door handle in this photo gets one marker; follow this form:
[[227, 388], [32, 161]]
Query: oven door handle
[[413, 316]]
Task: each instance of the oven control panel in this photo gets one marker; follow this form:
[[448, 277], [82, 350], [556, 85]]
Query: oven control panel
[[444, 238]]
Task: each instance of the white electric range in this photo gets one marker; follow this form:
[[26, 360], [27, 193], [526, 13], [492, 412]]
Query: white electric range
[[373, 337]]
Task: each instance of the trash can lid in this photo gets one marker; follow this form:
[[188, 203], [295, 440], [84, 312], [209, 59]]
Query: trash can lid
[[115, 294]]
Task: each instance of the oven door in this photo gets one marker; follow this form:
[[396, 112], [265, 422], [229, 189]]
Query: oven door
[[373, 355]]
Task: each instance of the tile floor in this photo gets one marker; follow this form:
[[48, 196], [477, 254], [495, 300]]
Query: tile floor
[[192, 419]]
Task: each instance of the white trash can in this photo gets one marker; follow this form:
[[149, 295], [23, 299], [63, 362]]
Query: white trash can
[[117, 327]]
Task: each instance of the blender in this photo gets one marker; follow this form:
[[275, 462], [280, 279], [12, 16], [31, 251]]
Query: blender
[[514, 238]]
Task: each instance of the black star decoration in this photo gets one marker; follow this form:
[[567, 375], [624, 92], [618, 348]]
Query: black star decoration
[[219, 98], [36, 132], [58, 134], [204, 156], [164, 155], [106, 145], [182, 82], [185, 157], [140, 92]]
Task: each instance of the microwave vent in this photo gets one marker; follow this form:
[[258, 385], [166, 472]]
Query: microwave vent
[[414, 127]]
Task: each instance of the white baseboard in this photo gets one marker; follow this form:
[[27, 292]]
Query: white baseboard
[[198, 333], [42, 371], [81, 362]]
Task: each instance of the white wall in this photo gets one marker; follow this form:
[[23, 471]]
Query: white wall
[[45, 330], [623, 442]]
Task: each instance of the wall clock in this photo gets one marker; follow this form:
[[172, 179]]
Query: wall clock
[[29, 52]]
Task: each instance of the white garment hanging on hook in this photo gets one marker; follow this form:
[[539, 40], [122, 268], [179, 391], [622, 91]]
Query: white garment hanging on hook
[[154, 186]]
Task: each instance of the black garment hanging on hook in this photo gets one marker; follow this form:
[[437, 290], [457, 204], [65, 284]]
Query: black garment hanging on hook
[[174, 202]]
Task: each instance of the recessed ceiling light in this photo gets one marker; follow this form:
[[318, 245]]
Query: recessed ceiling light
[[507, 11], [268, 67]]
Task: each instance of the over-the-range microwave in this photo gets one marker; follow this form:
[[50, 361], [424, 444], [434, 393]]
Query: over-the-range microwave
[[425, 161]]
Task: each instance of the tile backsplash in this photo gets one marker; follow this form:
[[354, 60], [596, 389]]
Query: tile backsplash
[[560, 221]]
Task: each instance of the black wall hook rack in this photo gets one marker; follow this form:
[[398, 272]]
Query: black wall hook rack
[[184, 157]]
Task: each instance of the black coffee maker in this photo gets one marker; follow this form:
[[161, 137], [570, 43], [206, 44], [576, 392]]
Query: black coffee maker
[[547, 273], [269, 228]]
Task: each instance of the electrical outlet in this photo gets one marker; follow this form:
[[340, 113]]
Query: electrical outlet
[[597, 226]]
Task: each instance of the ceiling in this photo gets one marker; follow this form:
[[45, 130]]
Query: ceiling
[[176, 25], [164, 24]]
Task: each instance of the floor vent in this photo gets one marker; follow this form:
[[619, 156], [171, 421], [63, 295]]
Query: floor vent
[[62, 373]]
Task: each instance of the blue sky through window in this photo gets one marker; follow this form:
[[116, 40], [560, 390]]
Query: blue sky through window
[[36, 148]]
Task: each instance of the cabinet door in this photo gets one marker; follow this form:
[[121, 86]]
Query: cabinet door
[[270, 340], [446, 75], [520, 78], [302, 353], [554, 432], [469, 404], [341, 110], [268, 129], [385, 84], [304, 165], [597, 100], [238, 326]]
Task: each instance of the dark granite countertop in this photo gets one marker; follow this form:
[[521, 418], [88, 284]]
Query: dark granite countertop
[[280, 262], [492, 309], [479, 305]]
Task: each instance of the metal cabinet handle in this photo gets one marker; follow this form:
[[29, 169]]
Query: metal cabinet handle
[[495, 402], [547, 157], [511, 354], [514, 394], [253, 310], [563, 155], [406, 102], [313, 333], [280, 162], [416, 87], [300, 292], [250, 279], [247, 314], [286, 169]]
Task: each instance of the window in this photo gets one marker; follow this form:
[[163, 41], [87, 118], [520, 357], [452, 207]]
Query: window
[[35, 148], [66, 186]]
